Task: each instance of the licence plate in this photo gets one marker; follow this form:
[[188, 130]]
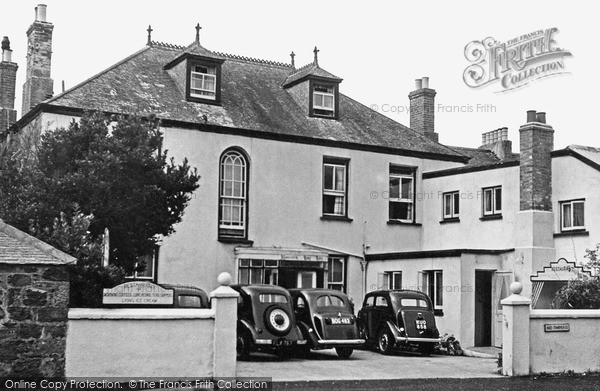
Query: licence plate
[[282, 342], [421, 324], [340, 321]]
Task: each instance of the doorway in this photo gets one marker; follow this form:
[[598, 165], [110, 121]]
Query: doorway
[[483, 307]]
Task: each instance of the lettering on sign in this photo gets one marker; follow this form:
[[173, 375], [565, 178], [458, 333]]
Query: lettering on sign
[[138, 293], [557, 327]]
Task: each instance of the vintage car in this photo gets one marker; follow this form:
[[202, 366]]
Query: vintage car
[[266, 321], [398, 319], [187, 296], [327, 321]]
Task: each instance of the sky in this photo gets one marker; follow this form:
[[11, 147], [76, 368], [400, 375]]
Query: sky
[[379, 48]]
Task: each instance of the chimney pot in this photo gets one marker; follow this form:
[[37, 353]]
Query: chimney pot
[[5, 43], [541, 117], [531, 117], [418, 84], [425, 82], [40, 13]]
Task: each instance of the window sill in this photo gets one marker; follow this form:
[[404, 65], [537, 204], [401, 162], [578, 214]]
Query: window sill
[[336, 218], [398, 222], [491, 217], [575, 232], [236, 240], [450, 220]]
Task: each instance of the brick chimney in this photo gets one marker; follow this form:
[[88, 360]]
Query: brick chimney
[[422, 109], [38, 84], [8, 78], [497, 141], [537, 141]]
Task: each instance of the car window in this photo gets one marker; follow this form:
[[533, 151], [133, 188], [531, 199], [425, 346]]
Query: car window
[[300, 303], [370, 301], [414, 303], [329, 301], [272, 298], [381, 301], [189, 301]]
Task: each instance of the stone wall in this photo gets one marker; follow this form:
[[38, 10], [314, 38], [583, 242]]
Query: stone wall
[[33, 320]]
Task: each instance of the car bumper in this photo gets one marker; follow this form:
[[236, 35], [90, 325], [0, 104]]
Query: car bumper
[[341, 341], [415, 339], [278, 342]]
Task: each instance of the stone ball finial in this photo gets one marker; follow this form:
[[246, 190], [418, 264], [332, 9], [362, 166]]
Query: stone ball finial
[[224, 279], [516, 288]]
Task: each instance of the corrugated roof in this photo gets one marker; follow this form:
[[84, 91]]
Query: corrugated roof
[[17, 247], [252, 97]]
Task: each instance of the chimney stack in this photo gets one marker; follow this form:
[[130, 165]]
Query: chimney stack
[[537, 142], [38, 84], [422, 109], [497, 141], [8, 79]]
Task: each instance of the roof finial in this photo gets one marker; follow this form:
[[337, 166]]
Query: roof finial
[[198, 28], [149, 35], [292, 55], [316, 51]]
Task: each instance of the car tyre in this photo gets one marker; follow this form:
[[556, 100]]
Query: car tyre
[[244, 346], [426, 349], [344, 353], [385, 342], [278, 320]]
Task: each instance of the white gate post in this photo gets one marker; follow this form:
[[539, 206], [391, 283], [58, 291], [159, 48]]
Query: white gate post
[[224, 303], [515, 332]]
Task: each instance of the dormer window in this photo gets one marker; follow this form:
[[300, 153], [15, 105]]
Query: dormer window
[[203, 82], [323, 99]]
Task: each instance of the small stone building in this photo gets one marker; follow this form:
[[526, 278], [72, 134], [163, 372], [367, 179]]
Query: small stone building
[[34, 299]]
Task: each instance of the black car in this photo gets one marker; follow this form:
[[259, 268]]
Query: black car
[[327, 321], [398, 319], [266, 321]]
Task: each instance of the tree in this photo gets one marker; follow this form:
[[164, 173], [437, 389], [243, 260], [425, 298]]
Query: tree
[[111, 170], [584, 292]]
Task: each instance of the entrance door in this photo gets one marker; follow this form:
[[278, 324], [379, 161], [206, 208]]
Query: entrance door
[[307, 279], [500, 290], [483, 307]]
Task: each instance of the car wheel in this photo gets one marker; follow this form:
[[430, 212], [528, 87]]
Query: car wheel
[[278, 320], [344, 353], [243, 346], [426, 349], [385, 342]]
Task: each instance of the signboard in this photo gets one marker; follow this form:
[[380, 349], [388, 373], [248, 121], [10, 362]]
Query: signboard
[[138, 293], [557, 327], [561, 270]]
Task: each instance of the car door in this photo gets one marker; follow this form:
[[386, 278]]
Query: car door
[[364, 315]]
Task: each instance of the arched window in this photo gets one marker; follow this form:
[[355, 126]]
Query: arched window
[[233, 195]]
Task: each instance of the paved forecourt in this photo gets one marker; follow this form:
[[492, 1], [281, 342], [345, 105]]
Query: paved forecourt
[[325, 365]]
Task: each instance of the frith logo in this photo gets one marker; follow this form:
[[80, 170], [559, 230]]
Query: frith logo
[[516, 62]]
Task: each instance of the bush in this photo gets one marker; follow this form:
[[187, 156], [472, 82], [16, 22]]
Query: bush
[[583, 293]]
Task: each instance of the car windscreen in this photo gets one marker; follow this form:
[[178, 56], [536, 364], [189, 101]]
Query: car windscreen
[[330, 301], [272, 298], [400, 300]]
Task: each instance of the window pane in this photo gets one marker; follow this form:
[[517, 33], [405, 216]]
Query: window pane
[[447, 205], [394, 187], [336, 270], [439, 288], [498, 205], [397, 281], [272, 298], [487, 200], [328, 101], [189, 301], [256, 263], [328, 179], [406, 189], [256, 276], [400, 210], [567, 215], [456, 204], [318, 100], [578, 214], [244, 262], [340, 177], [243, 276]]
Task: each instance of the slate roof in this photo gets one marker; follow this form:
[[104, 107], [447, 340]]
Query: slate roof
[[252, 98], [591, 153], [311, 69], [17, 247]]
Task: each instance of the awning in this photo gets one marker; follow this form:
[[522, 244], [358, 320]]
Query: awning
[[281, 254]]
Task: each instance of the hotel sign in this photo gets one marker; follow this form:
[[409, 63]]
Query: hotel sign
[[557, 327], [138, 293], [561, 270]]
